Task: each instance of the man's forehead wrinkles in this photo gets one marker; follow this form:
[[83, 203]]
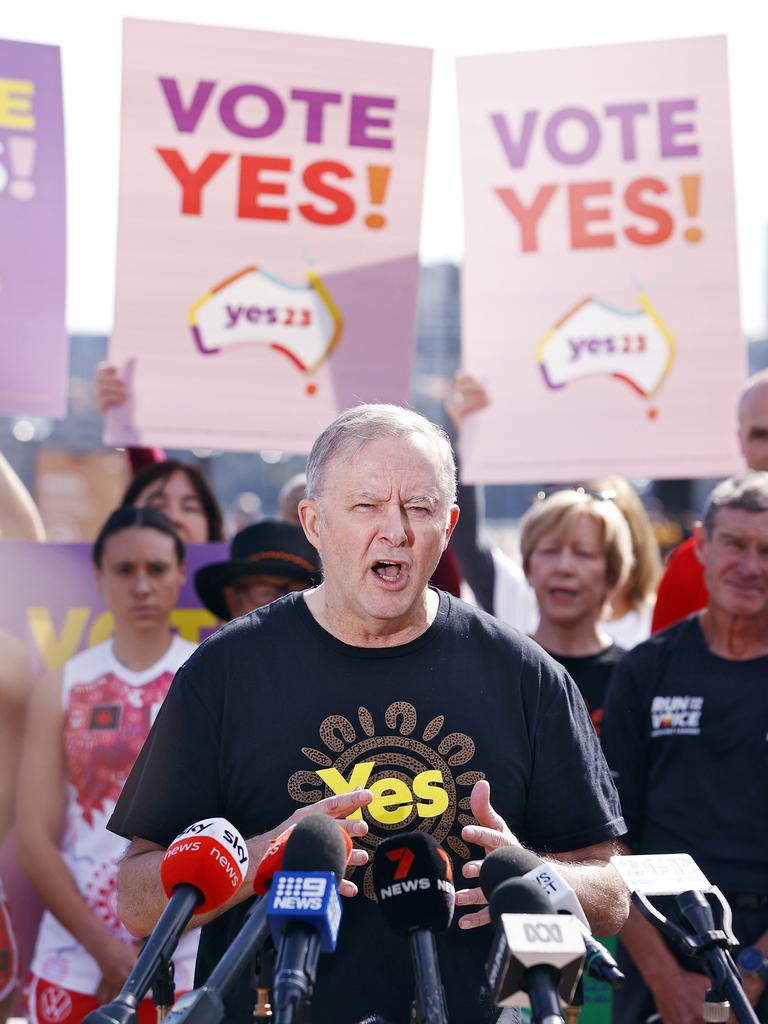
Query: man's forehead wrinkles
[[377, 495]]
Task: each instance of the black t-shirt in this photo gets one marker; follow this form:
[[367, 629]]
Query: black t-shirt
[[592, 673], [273, 713], [686, 735]]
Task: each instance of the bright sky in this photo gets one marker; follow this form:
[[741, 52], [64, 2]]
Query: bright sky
[[88, 32]]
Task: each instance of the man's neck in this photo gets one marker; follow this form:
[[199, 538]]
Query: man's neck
[[371, 632], [738, 637]]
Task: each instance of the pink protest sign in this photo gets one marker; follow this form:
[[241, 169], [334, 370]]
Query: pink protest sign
[[34, 353], [270, 201], [600, 283]]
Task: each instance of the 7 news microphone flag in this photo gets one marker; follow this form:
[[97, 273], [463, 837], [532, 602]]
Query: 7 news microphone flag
[[413, 881], [201, 869]]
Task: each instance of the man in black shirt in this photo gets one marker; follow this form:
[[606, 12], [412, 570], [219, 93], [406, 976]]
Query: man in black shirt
[[685, 731], [384, 703]]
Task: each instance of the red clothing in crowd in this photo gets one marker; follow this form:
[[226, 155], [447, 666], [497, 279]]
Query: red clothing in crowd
[[682, 590]]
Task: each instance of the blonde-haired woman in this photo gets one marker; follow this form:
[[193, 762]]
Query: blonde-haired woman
[[577, 551], [631, 610]]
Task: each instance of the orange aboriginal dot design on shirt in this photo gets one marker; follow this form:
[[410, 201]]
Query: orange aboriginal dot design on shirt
[[415, 774]]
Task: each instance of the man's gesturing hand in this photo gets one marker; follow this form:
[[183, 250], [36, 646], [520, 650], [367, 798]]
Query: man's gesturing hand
[[338, 807], [491, 832]]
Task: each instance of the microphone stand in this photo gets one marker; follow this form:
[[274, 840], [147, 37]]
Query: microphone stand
[[155, 952], [711, 947], [262, 979], [163, 989], [429, 1005]]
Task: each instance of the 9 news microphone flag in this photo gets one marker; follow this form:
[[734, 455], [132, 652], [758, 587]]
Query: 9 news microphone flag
[[304, 909]]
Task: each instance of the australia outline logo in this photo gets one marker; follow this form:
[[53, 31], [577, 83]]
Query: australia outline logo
[[594, 338], [254, 307]]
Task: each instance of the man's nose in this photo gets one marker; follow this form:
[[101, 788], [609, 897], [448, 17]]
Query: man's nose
[[750, 562], [393, 526]]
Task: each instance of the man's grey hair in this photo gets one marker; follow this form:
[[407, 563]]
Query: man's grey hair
[[748, 492], [353, 429]]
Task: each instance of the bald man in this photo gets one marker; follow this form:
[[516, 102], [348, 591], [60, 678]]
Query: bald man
[[682, 590]]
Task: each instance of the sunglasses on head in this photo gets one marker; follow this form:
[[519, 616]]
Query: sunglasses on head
[[602, 494]]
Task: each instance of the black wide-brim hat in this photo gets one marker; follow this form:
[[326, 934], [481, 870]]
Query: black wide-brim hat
[[270, 547]]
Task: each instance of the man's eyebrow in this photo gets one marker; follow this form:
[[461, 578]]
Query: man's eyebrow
[[430, 499], [367, 495]]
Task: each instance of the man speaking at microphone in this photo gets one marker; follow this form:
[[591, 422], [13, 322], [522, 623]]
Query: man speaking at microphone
[[385, 703]]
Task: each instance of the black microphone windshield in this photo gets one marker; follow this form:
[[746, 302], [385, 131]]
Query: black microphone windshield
[[317, 843], [501, 865], [519, 896], [413, 879]]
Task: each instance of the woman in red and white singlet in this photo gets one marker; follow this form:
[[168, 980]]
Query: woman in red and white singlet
[[86, 725]]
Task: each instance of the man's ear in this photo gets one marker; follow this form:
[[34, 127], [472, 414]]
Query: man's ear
[[309, 517], [453, 518], [699, 541]]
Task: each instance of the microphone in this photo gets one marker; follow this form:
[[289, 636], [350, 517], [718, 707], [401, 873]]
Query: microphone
[[304, 910], [517, 862], [271, 862], [535, 954], [413, 881], [205, 1005], [201, 869], [678, 875]]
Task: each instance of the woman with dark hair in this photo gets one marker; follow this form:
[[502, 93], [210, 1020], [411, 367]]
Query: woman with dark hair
[[178, 489], [86, 724], [181, 492]]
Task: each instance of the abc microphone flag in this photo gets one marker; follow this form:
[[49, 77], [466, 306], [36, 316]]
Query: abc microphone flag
[[536, 955], [517, 862]]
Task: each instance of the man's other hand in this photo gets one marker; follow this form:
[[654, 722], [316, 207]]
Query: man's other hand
[[491, 832]]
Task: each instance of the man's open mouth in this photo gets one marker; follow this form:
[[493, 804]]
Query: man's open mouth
[[388, 570]]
